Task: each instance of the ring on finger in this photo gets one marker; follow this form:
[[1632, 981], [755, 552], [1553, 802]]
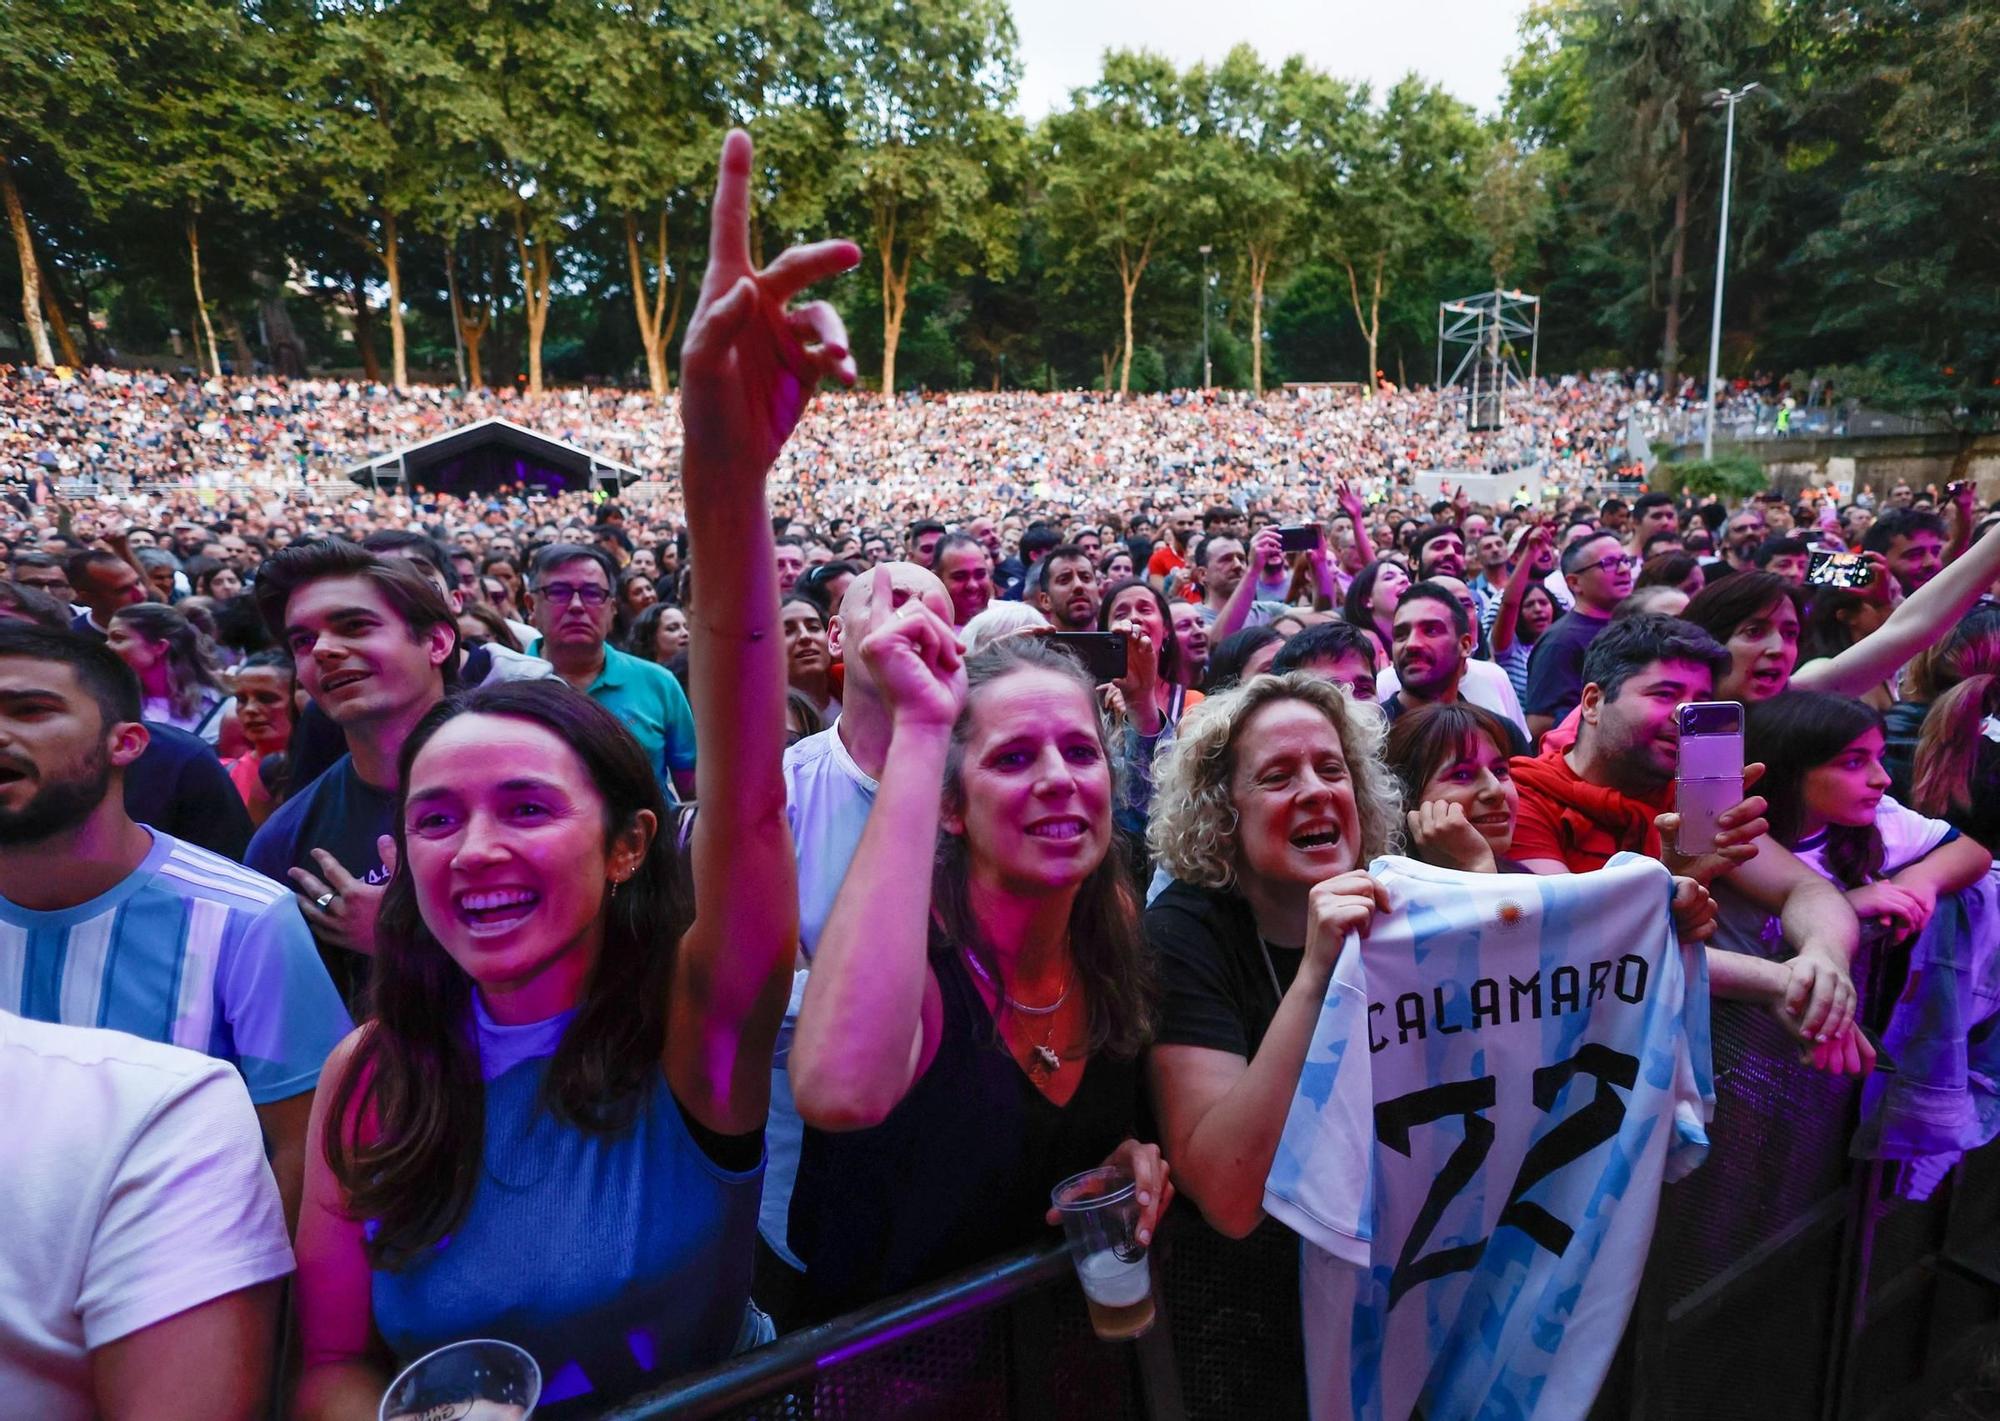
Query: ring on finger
[[323, 901]]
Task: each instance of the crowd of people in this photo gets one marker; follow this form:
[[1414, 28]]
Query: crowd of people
[[632, 928]]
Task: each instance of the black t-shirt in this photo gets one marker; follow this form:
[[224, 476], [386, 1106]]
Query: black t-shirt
[[1555, 666], [342, 814], [1220, 985], [180, 788], [959, 1171]]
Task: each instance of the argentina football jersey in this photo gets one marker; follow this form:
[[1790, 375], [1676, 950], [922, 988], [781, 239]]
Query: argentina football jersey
[[1504, 1071]]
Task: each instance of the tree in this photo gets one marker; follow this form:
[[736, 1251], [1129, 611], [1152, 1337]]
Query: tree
[[929, 139], [1119, 174], [213, 140], [1262, 143], [1909, 267], [61, 68], [392, 102]]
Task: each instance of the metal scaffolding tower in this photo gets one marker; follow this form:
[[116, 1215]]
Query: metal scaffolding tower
[[1486, 333]]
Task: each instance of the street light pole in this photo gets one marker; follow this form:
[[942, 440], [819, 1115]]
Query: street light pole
[[1207, 372], [1729, 100]]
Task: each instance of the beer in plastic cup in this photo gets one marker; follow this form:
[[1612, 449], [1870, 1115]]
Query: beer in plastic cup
[[478, 1380], [1100, 1215]]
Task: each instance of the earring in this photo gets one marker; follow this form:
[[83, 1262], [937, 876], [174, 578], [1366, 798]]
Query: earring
[[614, 888]]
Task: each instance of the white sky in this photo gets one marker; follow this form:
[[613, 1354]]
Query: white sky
[[1461, 44]]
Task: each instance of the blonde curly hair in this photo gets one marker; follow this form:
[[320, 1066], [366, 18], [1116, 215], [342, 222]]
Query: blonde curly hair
[[1192, 831]]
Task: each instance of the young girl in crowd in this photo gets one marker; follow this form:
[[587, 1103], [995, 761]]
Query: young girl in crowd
[[265, 685], [1451, 761], [969, 1038], [1830, 805], [552, 1131], [1371, 602], [176, 671]]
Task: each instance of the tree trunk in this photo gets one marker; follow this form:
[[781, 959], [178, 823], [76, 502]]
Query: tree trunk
[[895, 305], [1129, 272], [246, 358], [93, 347], [656, 322], [399, 362], [281, 337], [1670, 344], [1370, 321], [31, 273], [535, 283], [470, 332], [364, 328], [1260, 268], [201, 302], [59, 324]]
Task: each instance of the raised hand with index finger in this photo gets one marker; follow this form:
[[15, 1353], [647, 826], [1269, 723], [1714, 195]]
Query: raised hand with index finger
[[751, 360]]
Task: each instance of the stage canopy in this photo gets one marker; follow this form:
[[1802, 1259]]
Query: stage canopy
[[490, 455]]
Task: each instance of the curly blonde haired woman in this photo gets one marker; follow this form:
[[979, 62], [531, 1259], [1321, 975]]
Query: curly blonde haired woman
[[1266, 809]]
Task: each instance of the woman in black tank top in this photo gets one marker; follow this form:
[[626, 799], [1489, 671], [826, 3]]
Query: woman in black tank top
[[969, 1037]]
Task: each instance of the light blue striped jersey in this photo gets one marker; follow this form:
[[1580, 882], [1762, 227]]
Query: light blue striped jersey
[[188, 949], [1503, 1072]]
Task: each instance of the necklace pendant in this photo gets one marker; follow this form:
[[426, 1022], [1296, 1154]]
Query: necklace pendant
[[1047, 1060]]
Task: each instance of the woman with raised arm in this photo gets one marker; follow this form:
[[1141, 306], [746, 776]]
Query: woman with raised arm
[[552, 1132], [970, 1037]]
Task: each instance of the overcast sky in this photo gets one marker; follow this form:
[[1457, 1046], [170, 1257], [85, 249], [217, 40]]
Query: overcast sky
[[1461, 44]]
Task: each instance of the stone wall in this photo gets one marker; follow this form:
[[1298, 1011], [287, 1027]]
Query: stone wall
[[1876, 462]]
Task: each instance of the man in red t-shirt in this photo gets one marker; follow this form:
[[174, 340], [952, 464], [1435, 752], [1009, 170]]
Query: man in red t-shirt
[[1171, 555], [1612, 792]]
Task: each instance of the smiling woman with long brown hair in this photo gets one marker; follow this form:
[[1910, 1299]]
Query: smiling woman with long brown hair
[[552, 1132]]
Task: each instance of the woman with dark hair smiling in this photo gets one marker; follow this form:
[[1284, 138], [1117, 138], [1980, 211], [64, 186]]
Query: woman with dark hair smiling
[[551, 1133]]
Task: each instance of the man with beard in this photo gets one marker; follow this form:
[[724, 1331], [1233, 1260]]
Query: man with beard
[[1432, 654], [1598, 573], [110, 923], [963, 565], [1612, 791], [1066, 589], [1439, 551], [371, 640]]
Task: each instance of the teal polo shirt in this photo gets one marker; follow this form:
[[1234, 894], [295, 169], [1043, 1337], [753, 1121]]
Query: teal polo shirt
[[651, 704]]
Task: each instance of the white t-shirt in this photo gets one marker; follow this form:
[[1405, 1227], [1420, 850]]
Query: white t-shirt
[[827, 799], [1484, 684], [1906, 837], [134, 1189]]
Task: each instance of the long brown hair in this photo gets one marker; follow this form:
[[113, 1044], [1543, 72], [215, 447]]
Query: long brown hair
[[1106, 946], [406, 1130], [1948, 746]]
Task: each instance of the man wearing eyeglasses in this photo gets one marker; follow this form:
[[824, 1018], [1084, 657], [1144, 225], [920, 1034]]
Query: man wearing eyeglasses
[[1598, 572], [569, 601]]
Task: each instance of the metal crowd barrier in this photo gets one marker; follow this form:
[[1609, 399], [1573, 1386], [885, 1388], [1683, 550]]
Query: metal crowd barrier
[[1785, 1281]]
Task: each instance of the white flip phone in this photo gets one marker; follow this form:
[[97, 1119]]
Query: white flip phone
[[1709, 780]]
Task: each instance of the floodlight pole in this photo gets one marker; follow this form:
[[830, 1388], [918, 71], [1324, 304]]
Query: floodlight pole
[[1728, 99], [1207, 373]]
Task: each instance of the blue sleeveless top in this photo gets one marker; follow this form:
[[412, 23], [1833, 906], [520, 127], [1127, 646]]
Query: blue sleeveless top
[[617, 1261]]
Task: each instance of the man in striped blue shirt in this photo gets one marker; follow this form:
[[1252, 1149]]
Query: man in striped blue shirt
[[107, 923]]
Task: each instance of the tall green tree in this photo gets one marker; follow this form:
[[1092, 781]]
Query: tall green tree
[[1120, 174], [1264, 141], [929, 139]]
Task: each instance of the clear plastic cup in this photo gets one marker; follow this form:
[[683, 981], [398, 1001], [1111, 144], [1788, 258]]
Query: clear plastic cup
[[1100, 1215], [478, 1380]]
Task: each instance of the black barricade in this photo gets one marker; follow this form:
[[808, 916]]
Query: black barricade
[[1785, 1281]]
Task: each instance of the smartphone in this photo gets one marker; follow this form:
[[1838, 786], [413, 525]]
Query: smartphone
[[1103, 654], [1299, 538], [1709, 780], [1850, 570]]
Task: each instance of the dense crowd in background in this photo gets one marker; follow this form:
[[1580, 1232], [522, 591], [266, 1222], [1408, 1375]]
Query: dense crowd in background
[[610, 822]]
